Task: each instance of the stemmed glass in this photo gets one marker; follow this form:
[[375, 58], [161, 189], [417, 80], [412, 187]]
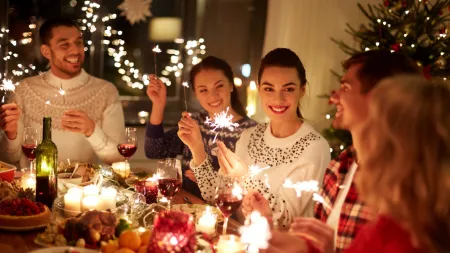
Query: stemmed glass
[[229, 195], [169, 183], [31, 139], [129, 146]]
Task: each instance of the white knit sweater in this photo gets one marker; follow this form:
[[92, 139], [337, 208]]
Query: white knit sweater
[[98, 98]]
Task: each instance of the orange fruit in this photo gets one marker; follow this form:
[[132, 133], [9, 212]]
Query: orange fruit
[[124, 250], [145, 237], [109, 248], [130, 239], [143, 249]]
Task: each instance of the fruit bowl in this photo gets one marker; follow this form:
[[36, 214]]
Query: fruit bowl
[[7, 171]]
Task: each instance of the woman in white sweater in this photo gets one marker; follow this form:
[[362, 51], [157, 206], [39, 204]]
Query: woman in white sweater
[[287, 146]]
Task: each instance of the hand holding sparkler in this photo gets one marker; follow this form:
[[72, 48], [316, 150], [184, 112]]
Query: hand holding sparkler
[[157, 92], [9, 118], [283, 242], [189, 133], [318, 232], [231, 163], [255, 201]]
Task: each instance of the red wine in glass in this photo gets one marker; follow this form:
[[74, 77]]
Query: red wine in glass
[[228, 204], [127, 150], [169, 187], [29, 150]]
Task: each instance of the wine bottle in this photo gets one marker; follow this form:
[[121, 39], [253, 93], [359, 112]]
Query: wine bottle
[[46, 166]]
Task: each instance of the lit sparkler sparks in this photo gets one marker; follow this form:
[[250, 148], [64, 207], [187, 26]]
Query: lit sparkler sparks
[[255, 169], [62, 92], [8, 85], [320, 199], [237, 191], [255, 233], [185, 85], [304, 186], [221, 120], [156, 50]]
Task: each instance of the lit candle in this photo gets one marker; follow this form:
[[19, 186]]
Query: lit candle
[[72, 201], [229, 244], [108, 198], [121, 168], [207, 222], [28, 180], [90, 190], [90, 203]]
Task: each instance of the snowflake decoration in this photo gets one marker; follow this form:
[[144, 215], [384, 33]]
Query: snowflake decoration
[[135, 10], [221, 120]]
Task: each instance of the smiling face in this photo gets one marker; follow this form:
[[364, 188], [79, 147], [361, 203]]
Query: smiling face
[[280, 93], [213, 90], [352, 106], [65, 51]]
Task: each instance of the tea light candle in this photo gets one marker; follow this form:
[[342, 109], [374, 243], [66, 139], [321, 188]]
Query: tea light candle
[[72, 201], [90, 203], [90, 190], [229, 244], [28, 180], [207, 222], [121, 168], [108, 198]]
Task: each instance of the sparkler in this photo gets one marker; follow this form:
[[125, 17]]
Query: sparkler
[[156, 50], [8, 87], [62, 92], [237, 191], [221, 120], [255, 170], [320, 199], [304, 186], [255, 233], [185, 85]]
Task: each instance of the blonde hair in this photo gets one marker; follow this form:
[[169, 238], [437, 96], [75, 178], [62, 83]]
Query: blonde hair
[[405, 160]]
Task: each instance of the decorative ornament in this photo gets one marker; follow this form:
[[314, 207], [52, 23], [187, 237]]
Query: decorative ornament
[[135, 10], [386, 3], [395, 47], [441, 62]]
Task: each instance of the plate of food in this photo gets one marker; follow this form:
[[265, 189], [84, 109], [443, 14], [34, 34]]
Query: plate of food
[[7, 171], [64, 250]]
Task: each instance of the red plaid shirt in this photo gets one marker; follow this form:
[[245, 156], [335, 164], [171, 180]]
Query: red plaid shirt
[[354, 214]]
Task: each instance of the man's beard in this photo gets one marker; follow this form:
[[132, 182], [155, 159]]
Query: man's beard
[[59, 65]]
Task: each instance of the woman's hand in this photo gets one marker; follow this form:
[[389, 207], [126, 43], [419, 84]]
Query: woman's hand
[[255, 201], [189, 133], [283, 242], [320, 234], [157, 91], [232, 164]]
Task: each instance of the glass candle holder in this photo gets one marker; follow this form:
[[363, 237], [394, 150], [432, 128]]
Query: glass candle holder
[[173, 232], [229, 244], [206, 221], [148, 188]]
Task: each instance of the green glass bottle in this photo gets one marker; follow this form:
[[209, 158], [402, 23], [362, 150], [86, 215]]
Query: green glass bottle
[[46, 166]]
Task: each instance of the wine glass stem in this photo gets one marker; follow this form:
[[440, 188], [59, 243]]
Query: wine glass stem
[[225, 225], [31, 166], [169, 204]]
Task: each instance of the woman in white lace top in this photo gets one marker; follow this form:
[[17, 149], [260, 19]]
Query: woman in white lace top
[[287, 146]]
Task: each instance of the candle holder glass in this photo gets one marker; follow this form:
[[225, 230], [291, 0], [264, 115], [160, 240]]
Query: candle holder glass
[[148, 188]]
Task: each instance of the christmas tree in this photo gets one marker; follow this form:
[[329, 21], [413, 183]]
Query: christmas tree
[[417, 28]]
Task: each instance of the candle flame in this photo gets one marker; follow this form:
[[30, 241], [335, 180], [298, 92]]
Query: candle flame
[[221, 120], [256, 232], [304, 186], [156, 49]]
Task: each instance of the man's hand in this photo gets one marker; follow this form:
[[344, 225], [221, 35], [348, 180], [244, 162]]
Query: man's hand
[[255, 201], [78, 121], [9, 116]]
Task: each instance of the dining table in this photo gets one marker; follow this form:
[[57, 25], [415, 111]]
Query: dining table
[[23, 242]]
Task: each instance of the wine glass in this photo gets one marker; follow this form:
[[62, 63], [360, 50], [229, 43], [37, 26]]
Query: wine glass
[[229, 195], [169, 183], [129, 146], [30, 141]]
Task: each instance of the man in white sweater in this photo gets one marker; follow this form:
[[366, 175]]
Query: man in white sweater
[[87, 116]]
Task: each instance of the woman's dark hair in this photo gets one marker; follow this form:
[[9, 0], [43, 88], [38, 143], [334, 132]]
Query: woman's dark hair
[[212, 62], [285, 58]]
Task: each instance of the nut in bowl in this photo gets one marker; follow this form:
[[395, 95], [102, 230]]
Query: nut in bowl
[[7, 172]]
